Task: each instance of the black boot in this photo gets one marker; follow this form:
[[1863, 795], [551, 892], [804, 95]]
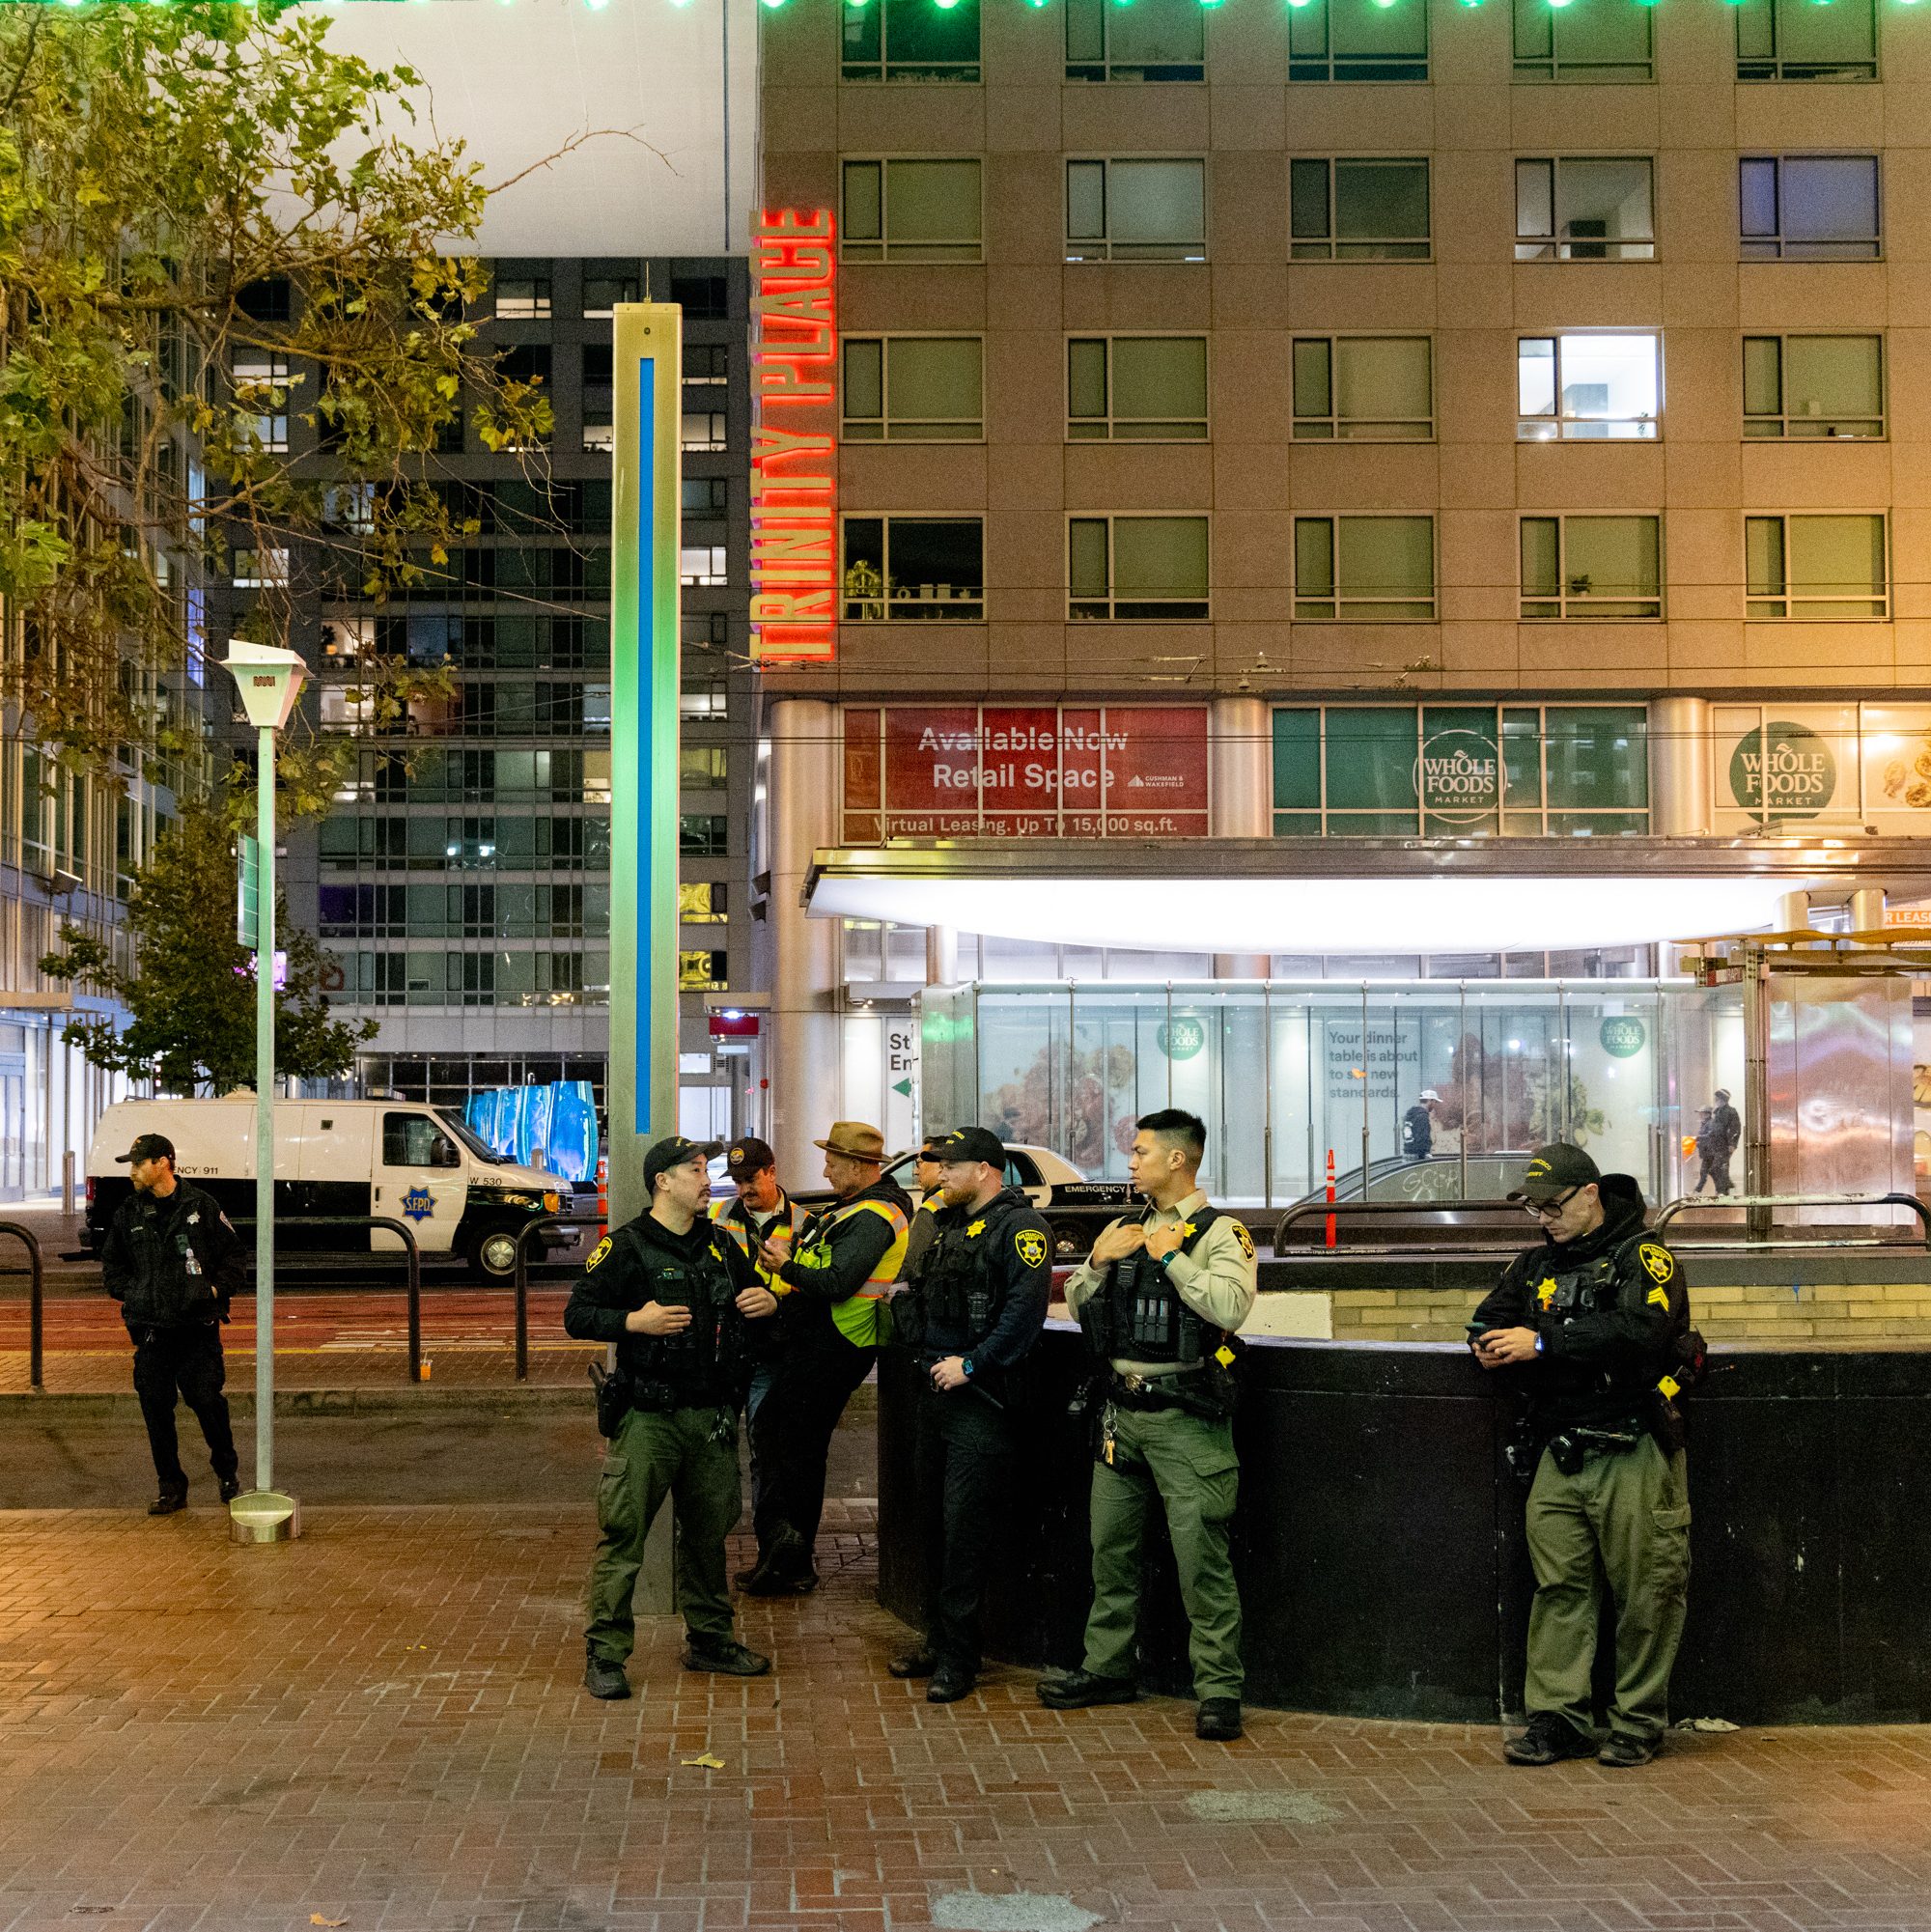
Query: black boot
[[168, 1503]]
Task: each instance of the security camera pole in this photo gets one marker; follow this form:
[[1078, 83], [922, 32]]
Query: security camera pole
[[269, 680]]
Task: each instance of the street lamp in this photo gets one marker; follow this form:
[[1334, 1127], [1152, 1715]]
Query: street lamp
[[269, 681]]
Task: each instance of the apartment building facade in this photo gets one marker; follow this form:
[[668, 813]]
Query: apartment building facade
[[1295, 441]]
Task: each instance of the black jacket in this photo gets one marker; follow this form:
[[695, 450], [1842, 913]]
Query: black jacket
[[1417, 1132], [849, 1251], [736, 1221], [145, 1259], [1004, 1253], [624, 1271], [1606, 1342]]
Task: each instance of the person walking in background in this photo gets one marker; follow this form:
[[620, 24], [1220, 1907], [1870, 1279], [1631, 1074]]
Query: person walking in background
[[1726, 1132], [1418, 1125]]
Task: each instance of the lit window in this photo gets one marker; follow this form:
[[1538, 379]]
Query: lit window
[[1591, 567], [914, 389], [1366, 210], [1137, 388], [702, 565], [700, 766], [914, 568], [1815, 567], [702, 903], [1362, 388], [701, 971], [259, 570], [1584, 210], [702, 430], [262, 385], [911, 40], [1799, 39], [1136, 211], [1586, 387], [1364, 570], [1358, 40], [522, 300], [1809, 207], [1152, 39], [1586, 40], [1813, 385], [1137, 568], [911, 210]]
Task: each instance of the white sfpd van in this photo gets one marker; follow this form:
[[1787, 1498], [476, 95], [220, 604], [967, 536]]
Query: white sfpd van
[[402, 1159]]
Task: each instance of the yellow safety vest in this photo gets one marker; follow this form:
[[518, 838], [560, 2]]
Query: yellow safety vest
[[747, 1241], [857, 1316]]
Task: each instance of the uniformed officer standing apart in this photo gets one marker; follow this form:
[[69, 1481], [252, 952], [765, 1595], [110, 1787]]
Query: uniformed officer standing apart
[[973, 1314], [1589, 1319], [761, 1212], [174, 1262], [841, 1267], [1159, 1298], [676, 1296]]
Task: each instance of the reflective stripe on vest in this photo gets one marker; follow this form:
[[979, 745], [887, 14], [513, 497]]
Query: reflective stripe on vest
[[747, 1240], [857, 1316]]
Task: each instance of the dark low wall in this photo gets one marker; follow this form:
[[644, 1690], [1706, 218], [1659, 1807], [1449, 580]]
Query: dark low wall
[[1379, 1551]]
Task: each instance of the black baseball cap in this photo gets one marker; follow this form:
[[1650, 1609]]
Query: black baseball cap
[[147, 1147], [1553, 1170], [673, 1152], [748, 1156], [970, 1143]]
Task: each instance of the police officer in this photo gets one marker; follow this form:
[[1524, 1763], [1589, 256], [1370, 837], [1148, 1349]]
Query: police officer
[[930, 1205], [761, 1211], [676, 1296], [1159, 1298], [173, 1261], [840, 1269], [1589, 1320], [971, 1316]]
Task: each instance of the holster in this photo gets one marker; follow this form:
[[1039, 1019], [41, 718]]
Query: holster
[[613, 1398]]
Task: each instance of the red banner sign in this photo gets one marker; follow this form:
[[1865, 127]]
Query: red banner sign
[[794, 447], [1025, 772]]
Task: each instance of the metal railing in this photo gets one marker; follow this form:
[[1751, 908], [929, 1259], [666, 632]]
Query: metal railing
[[1304, 1211], [523, 1234], [412, 1251], [36, 1302], [1692, 1203]]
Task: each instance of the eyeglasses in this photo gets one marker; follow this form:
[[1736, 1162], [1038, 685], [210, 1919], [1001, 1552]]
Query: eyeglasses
[[1547, 1211]]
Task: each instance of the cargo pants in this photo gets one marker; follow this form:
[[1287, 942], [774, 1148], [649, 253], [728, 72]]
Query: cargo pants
[[1632, 1512], [691, 1456], [1185, 1465]]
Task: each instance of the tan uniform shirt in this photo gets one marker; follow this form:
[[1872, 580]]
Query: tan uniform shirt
[[1218, 1280]]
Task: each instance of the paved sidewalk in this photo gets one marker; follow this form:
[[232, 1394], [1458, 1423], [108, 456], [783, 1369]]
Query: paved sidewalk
[[381, 1725]]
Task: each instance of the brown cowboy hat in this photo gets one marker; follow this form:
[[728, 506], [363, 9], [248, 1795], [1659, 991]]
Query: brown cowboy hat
[[856, 1141]]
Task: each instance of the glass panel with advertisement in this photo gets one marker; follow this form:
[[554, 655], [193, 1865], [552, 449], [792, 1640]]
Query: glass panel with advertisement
[[1024, 772], [1437, 770], [1824, 765]]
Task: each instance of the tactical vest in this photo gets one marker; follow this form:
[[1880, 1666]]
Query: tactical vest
[[955, 1285], [857, 1315], [1144, 1318], [1590, 1288], [702, 1365]]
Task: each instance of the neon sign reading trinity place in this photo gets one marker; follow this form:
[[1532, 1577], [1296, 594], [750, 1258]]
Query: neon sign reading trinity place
[[795, 450]]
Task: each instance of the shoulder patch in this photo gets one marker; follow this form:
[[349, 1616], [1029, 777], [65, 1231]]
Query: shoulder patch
[[597, 1254], [1245, 1239], [1658, 1262], [1029, 1245]]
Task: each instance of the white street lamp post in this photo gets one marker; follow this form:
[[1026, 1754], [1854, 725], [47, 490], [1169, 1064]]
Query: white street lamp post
[[270, 680]]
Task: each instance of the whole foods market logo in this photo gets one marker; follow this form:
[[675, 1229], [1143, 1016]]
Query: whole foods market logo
[[1457, 776], [1622, 1035], [1784, 770], [1180, 1039]]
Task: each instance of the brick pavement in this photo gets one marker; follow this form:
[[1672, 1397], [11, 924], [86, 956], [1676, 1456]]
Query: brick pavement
[[382, 1725]]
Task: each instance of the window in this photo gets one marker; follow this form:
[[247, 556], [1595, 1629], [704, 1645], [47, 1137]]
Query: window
[[1586, 387], [1136, 212], [702, 298], [1128, 569], [1152, 39], [700, 765], [700, 972], [262, 384], [706, 361], [1591, 567], [414, 1141], [1809, 207], [701, 430], [1364, 570], [522, 300], [911, 210], [914, 568], [1799, 39], [1363, 388], [705, 495], [603, 292], [914, 389], [1356, 40], [911, 40], [1137, 388], [1584, 210], [261, 569], [702, 565], [1586, 40], [1815, 567], [702, 903], [1358, 210], [1813, 385], [705, 834]]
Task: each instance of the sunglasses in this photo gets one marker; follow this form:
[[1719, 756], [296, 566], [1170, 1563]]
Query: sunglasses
[[1547, 1211]]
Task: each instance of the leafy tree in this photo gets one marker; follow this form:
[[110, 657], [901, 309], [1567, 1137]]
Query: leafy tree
[[192, 994]]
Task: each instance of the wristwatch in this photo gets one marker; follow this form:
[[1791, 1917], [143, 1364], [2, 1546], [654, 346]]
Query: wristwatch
[[966, 1366]]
